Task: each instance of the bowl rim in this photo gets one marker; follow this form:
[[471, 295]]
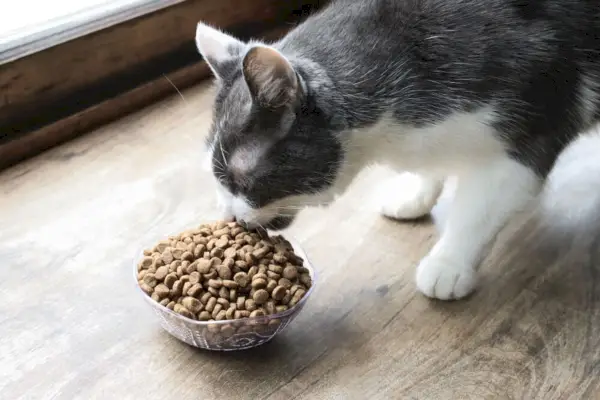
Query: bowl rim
[[248, 320]]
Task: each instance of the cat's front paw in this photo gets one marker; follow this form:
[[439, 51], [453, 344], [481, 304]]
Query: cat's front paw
[[409, 196], [444, 279]]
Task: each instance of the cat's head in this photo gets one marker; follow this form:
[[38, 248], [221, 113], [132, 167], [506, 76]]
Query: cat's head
[[272, 150]]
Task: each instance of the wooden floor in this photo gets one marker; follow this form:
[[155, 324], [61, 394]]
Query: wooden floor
[[72, 325]]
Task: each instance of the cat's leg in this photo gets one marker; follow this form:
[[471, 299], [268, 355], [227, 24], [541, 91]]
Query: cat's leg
[[485, 198], [410, 196]]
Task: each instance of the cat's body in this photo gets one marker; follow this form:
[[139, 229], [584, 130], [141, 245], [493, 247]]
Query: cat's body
[[489, 91]]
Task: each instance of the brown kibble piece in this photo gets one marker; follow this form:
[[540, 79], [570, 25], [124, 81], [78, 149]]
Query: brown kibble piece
[[227, 330], [252, 271], [278, 269], [221, 232], [222, 242], [187, 256], [279, 293], [305, 280], [162, 291], [217, 309], [199, 250], [259, 283], [286, 283], [177, 254], [224, 293], [242, 279], [195, 290], [177, 289], [210, 305], [250, 305], [205, 297], [230, 313], [211, 275], [161, 273], [146, 288], [271, 285], [230, 284], [215, 283], [286, 299], [294, 289], [257, 313], [224, 272], [260, 253], [241, 302], [162, 246], [221, 315], [217, 252], [192, 304], [270, 307], [290, 272], [281, 308], [279, 258], [171, 305], [194, 277], [150, 280], [186, 287], [260, 275], [260, 296], [273, 275], [204, 316], [170, 280], [203, 266], [167, 256], [230, 253], [223, 302], [146, 263]]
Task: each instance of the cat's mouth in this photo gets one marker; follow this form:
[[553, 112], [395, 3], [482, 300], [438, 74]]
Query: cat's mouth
[[275, 224]]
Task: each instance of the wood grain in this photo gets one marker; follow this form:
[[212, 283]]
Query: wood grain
[[72, 325]]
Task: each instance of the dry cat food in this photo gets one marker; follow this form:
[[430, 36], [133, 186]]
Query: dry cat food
[[224, 272]]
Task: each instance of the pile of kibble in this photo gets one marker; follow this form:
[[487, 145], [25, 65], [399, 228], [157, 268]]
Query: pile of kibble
[[222, 272]]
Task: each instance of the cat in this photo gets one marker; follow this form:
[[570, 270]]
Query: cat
[[488, 92]]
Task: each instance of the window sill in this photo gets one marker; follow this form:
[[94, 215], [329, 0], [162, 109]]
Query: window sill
[[48, 32], [67, 89]]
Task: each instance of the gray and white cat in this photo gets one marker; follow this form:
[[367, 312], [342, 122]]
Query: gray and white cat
[[488, 91]]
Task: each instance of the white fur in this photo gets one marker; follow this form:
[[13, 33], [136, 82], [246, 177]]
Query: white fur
[[490, 188], [215, 45], [571, 198], [486, 196], [410, 196], [245, 158]]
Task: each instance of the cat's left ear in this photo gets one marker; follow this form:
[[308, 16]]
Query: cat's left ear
[[218, 48], [271, 78]]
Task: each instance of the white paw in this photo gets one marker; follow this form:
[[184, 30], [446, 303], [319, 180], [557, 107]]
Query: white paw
[[444, 279], [409, 196]]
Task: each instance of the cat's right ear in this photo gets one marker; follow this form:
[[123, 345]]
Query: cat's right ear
[[217, 48]]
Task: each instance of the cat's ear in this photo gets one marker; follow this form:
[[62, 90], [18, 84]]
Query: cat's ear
[[217, 48], [270, 77]]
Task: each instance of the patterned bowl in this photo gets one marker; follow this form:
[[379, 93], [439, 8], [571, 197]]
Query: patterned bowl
[[228, 335]]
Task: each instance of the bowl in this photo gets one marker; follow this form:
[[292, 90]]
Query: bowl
[[228, 335]]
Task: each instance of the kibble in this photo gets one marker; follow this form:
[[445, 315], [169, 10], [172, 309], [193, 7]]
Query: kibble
[[224, 272]]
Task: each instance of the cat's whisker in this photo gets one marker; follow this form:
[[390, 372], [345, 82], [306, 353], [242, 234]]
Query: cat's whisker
[[177, 89]]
